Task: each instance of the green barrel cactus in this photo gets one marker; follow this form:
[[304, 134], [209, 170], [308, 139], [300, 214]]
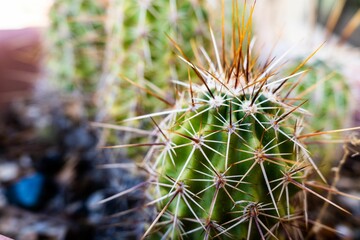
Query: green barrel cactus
[[76, 44], [228, 159], [222, 161]]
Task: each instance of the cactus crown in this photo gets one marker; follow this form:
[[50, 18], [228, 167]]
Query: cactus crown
[[228, 159]]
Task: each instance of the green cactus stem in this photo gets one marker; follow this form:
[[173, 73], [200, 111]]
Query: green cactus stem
[[226, 161]]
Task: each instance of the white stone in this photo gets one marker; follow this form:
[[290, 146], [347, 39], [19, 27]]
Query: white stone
[[8, 171]]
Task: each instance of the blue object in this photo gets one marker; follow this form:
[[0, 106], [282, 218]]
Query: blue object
[[26, 192]]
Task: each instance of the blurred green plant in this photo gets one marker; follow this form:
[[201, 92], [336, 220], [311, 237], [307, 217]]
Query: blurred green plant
[[140, 63], [76, 44]]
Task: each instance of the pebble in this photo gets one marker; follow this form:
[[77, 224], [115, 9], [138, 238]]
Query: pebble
[[8, 171], [79, 139], [93, 201], [95, 209], [344, 232], [25, 161], [352, 203]]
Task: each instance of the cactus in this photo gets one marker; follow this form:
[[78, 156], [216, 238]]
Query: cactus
[[76, 44], [228, 159], [222, 161], [225, 152], [137, 49], [99, 47], [141, 51]]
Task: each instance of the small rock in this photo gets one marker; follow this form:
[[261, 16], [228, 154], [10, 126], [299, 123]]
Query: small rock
[[352, 203], [344, 232], [79, 139], [8, 171], [95, 209], [93, 201], [25, 161]]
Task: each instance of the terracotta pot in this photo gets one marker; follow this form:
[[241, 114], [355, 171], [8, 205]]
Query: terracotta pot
[[20, 54]]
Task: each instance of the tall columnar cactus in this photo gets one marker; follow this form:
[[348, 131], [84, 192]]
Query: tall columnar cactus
[[227, 161], [141, 58], [140, 62], [76, 43]]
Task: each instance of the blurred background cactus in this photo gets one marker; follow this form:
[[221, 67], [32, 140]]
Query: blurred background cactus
[[119, 54], [76, 44], [140, 63]]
